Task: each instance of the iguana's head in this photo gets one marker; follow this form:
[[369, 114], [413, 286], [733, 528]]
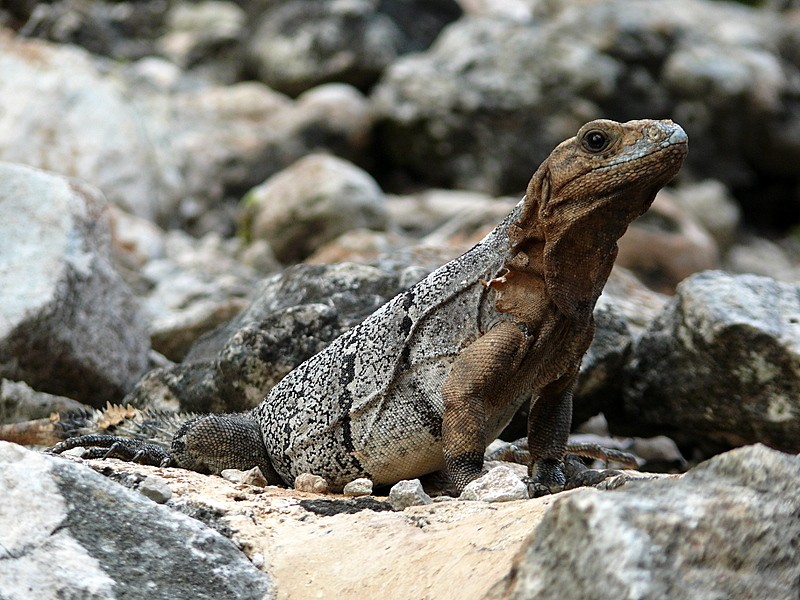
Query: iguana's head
[[583, 197], [606, 159]]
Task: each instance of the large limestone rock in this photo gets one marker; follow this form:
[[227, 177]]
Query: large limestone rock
[[312, 202], [728, 529], [58, 112], [720, 364], [68, 532], [68, 324]]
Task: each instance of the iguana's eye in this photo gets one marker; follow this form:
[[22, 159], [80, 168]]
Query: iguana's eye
[[595, 140]]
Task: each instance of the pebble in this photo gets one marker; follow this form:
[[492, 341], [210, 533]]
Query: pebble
[[407, 493], [252, 476], [358, 487], [306, 482], [500, 484], [155, 488]]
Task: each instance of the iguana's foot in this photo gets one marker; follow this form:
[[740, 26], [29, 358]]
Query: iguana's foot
[[552, 476], [112, 446], [548, 478], [579, 475]]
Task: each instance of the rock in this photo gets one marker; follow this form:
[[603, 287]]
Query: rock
[[197, 285], [492, 96], [500, 484], [71, 326], [423, 213], [155, 488], [64, 515], [713, 206], [728, 529], [312, 202], [20, 402], [513, 10], [358, 487], [302, 43], [306, 482], [252, 476], [58, 112], [637, 303], [666, 245], [761, 256], [231, 368], [205, 35], [720, 364], [407, 493], [224, 140], [121, 31]]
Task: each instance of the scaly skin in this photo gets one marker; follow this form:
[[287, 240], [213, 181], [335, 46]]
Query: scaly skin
[[429, 379]]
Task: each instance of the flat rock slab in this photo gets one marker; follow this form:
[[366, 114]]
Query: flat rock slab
[[68, 532], [329, 546]]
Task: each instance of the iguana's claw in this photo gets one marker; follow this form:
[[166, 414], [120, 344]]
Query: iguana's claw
[[548, 478], [111, 446]]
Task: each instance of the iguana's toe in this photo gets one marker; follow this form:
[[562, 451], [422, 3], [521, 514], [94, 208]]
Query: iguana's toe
[[548, 478]]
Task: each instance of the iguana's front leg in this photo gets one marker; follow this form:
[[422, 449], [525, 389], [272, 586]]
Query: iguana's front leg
[[549, 422], [477, 374]]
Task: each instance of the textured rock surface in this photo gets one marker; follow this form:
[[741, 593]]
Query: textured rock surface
[[20, 402], [500, 484], [728, 529], [310, 203], [721, 363], [407, 493], [69, 532], [94, 134], [493, 95], [293, 316], [299, 44], [70, 325]]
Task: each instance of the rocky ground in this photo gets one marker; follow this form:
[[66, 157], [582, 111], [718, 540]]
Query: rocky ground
[[198, 196]]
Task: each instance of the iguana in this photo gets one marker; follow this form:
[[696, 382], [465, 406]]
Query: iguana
[[430, 378]]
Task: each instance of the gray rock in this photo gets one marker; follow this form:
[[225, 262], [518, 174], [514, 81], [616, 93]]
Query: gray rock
[[728, 529], [713, 206], [122, 31], [196, 286], [307, 482], [492, 96], [70, 326], [358, 487], [303, 43], [206, 133], [300, 44], [312, 202], [666, 245], [66, 531], [155, 488], [721, 364], [500, 484], [294, 315], [58, 112], [20, 402], [205, 36], [760, 256], [408, 492], [254, 476]]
